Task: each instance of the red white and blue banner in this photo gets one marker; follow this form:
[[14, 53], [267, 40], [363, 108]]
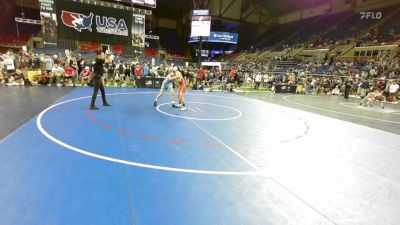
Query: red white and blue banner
[[87, 22]]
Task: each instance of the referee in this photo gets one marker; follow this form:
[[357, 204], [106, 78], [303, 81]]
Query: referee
[[98, 71]]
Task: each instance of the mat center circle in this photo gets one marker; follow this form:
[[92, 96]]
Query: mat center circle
[[200, 111]]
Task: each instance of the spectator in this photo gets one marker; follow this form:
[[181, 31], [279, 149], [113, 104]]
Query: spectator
[[110, 71], [146, 69], [258, 81], [347, 88], [48, 65], [1, 70], [138, 71], [393, 90], [364, 87], [86, 75], [70, 74], [58, 73], [9, 65], [119, 73]]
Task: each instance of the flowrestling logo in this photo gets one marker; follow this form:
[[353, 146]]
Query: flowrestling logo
[[371, 15], [104, 24]]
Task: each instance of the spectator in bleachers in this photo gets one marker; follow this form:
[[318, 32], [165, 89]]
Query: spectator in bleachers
[[119, 73], [57, 72], [1, 70], [146, 69], [86, 75], [73, 63], [48, 65], [201, 74], [393, 90], [364, 87], [138, 71], [70, 74], [34, 61], [347, 88], [81, 64], [110, 71], [19, 77], [9, 65], [258, 80]]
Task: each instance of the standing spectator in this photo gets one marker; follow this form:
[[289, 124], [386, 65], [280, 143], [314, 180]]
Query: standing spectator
[[138, 71], [201, 74], [119, 73], [127, 76], [364, 87], [73, 63], [48, 65], [347, 87], [393, 90], [81, 65], [1, 70], [9, 66], [258, 81], [232, 73], [110, 69], [34, 61], [146, 69]]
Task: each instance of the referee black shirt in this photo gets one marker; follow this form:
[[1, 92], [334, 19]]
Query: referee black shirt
[[98, 68]]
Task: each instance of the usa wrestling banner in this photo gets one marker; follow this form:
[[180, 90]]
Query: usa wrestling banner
[[87, 22]]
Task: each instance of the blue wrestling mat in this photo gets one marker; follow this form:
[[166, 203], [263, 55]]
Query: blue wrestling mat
[[133, 163]]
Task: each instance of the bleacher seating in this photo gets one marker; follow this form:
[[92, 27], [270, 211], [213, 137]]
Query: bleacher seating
[[8, 39], [150, 52], [328, 29]]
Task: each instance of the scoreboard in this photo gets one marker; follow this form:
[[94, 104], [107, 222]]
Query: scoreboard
[[201, 23]]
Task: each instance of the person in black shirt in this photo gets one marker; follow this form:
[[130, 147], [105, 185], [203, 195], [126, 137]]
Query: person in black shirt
[[347, 87], [98, 71]]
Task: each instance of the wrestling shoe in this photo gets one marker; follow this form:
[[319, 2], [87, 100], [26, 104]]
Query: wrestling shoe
[[155, 103], [93, 108], [183, 108], [174, 105]]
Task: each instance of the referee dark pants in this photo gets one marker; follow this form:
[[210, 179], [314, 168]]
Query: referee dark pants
[[98, 84]]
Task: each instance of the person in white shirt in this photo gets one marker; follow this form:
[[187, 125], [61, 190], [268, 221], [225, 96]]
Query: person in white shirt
[[48, 65], [1, 70], [57, 72], [393, 90], [9, 64], [372, 73], [258, 81]]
